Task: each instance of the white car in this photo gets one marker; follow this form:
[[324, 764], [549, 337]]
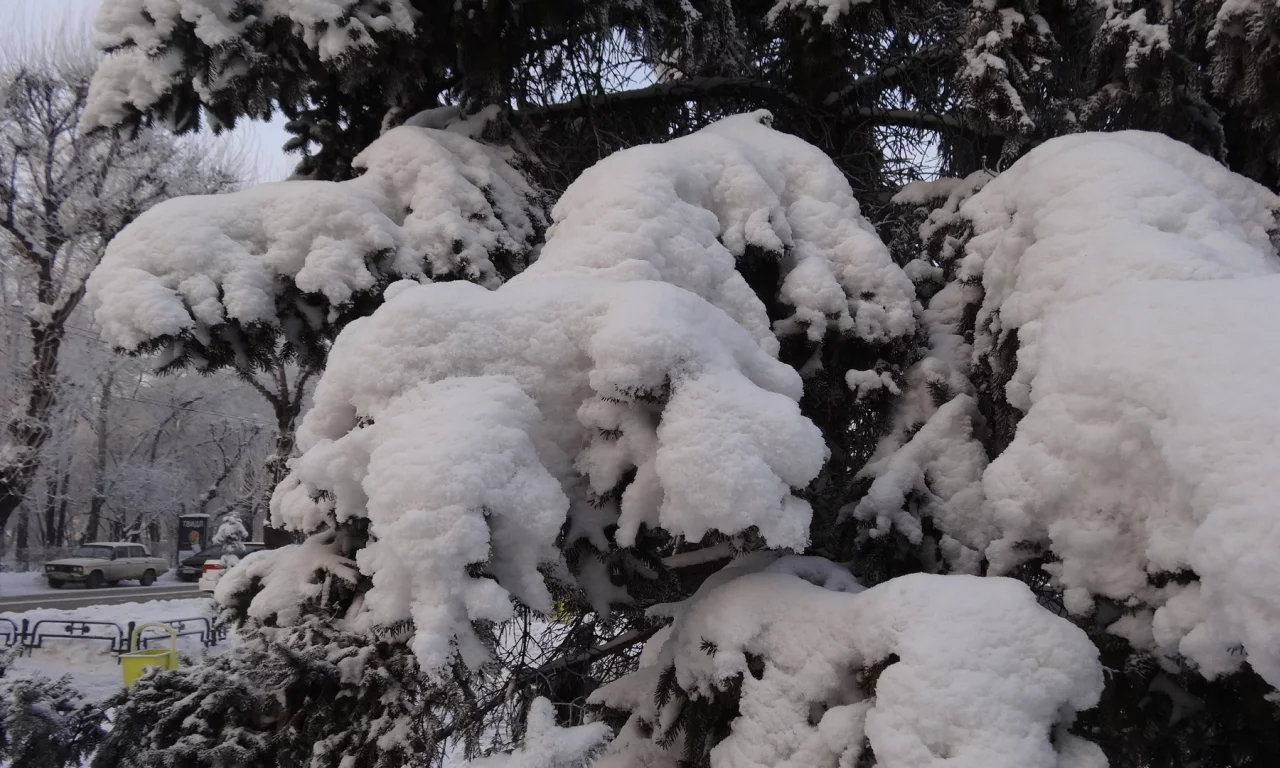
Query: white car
[[213, 570], [105, 562]]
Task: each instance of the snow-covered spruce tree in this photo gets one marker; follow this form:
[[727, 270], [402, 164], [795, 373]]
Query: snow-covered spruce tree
[[181, 60], [1010, 63], [231, 534], [44, 723], [1118, 293], [869, 83], [607, 430], [260, 281], [1243, 70]]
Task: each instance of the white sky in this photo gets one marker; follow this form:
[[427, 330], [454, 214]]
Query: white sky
[[262, 141]]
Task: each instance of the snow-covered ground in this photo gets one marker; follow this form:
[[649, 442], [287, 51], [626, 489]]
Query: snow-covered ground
[[17, 583], [94, 669]]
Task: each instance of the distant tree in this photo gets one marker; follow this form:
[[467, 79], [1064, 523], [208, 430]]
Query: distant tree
[[231, 533], [64, 194]]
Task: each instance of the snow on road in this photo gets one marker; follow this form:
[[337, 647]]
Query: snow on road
[[94, 669], [14, 584]]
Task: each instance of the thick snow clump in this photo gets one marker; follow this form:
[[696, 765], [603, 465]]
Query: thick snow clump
[[431, 203], [468, 425], [1139, 277], [972, 673], [687, 211]]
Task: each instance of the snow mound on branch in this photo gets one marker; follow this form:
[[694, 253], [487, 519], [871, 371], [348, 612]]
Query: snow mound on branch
[[1082, 213], [943, 464], [449, 475], [468, 425], [973, 673], [547, 745], [145, 29], [687, 212], [1139, 276], [1162, 395], [929, 464], [285, 578], [431, 203], [831, 10]]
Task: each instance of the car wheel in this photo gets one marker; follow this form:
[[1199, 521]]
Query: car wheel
[[56, 583], [94, 581], [148, 578]]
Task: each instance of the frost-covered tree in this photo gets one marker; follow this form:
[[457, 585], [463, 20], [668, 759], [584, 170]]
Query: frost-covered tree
[[655, 395], [231, 533], [712, 476], [64, 193], [1111, 296], [263, 285], [44, 723]]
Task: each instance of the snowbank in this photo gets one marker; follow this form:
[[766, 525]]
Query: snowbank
[[94, 669]]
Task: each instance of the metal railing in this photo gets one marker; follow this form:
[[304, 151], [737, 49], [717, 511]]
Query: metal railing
[[30, 635]]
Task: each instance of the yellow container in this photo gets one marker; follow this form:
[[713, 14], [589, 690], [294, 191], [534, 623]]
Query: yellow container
[[135, 662]]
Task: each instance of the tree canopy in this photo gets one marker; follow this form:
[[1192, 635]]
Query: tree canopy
[[764, 445], [877, 85]]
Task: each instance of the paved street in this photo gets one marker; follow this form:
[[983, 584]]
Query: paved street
[[71, 598]]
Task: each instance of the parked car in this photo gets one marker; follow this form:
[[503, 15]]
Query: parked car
[[105, 562], [191, 568], [214, 569]]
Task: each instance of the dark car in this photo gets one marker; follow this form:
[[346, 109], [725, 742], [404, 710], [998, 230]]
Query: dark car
[[190, 568]]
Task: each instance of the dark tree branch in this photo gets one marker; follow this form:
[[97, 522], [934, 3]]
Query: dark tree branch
[[616, 645], [699, 88]]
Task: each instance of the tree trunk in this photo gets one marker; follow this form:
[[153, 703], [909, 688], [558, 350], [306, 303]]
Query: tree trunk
[[50, 531], [286, 410], [23, 547], [100, 460], [29, 433], [62, 513], [63, 486]]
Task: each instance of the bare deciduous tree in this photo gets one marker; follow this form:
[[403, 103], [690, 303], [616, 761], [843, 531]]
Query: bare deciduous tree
[[64, 193]]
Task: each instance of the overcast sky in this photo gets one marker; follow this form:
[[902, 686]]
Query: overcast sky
[[262, 141]]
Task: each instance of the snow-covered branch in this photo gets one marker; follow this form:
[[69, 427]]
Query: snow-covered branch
[[215, 279]]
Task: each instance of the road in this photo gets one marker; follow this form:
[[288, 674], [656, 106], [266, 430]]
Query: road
[[67, 599]]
